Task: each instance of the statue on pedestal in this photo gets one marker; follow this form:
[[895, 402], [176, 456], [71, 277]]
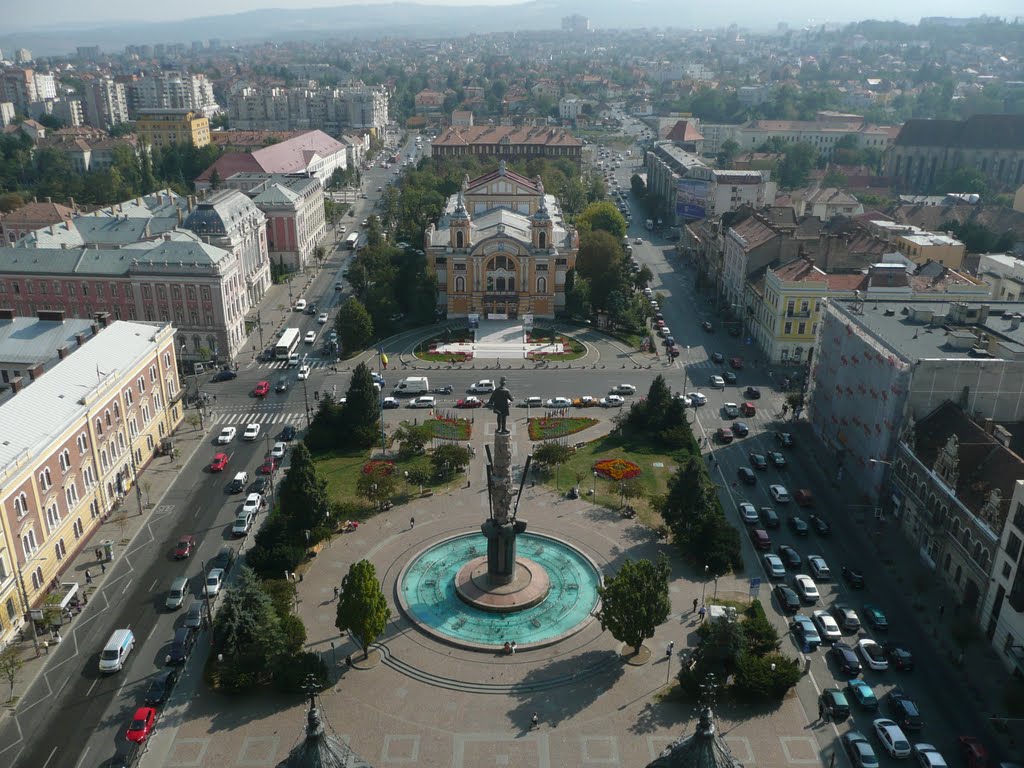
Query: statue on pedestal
[[500, 402]]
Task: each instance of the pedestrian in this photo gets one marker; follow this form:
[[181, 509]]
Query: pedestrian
[[99, 554], [336, 593], [669, 647], [412, 523], [348, 660], [513, 646], [695, 601], [701, 613], [88, 576], [103, 567], [534, 721], [942, 611]]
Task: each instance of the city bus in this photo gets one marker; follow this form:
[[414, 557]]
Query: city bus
[[351, 240], [287, 343]]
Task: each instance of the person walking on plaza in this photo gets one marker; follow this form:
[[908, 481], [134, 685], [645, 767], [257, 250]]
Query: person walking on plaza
[[695, 601], [701, 613], [88, 576], [412, 523], [534, 722]]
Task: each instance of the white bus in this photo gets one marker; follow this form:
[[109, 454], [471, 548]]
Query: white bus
[[287, 343], [351, 240]]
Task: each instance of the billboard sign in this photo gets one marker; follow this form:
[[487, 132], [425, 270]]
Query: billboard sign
[[692, 198]]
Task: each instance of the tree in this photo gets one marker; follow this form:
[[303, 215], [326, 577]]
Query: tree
[[635, 601], [797, 161], [637, 185], [215, 180], [378, 486], [303, 499], [247, 631], [362, 609], [359, 421], [631, 489], [411, 439], [354, 326], [600, 261], [10, 665], [449, 458], [602, 216], [552, 454], [10, 201], [727, 153]]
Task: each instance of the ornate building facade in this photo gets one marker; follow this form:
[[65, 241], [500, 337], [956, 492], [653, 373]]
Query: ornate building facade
[[501, 249]]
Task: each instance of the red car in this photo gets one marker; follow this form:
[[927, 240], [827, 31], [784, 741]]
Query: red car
[[184, 547], [268, 466], [974, 752], [470, 402], [262, 389], [142, 725], [736, 363], [220, 461], [725, 434]]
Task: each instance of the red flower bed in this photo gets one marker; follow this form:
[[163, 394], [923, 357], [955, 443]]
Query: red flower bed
[[377, 465], [617, 469]]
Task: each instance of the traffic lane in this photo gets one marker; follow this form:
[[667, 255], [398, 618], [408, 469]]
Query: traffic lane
[[939, 691]]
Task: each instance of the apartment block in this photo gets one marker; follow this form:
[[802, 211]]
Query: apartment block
[[105, 103], [165, 127]]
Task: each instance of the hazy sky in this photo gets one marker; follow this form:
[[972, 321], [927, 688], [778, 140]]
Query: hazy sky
[[63, 13]]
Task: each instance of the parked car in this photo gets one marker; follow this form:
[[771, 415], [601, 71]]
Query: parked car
[[805, 632], [853, 577], [740, 429], [797, 525], [833, 701], [558, 402], [193, 616], [717, 357], [848, 619], [730, 377], [769, 518], [928, 756], [860, 752], [899, 657], [752, 393], [904, 710], [697, 398], [724, 435], [806, 588], [161, 687], [748, 513], [789, 556], [875, 617], [717, 382], [391, 402], [224, 559], [819, 568], [789, 602], [872, 654], [845, 659], [142, 725], [181, 646], [268, 466], [253, 503], [863, 694], [773, 566], [288, 433], [828, 629], [423, 401], [214, 582], [779, 493], [891, 737]]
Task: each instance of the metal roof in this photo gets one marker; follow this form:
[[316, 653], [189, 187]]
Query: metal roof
[[29, 340], [40, 413]]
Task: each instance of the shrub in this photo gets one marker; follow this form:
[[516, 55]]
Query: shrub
[[290, 671], [294, 634], [756, 681], [760, 636]]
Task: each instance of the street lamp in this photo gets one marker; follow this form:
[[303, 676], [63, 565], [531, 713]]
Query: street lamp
[[594, 492], [704, 584], [684, 367], [28, 606]]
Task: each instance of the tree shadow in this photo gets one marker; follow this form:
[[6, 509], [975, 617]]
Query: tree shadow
[[586, 675]]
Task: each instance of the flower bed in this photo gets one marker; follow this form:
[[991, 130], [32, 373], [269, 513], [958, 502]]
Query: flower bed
[[376, 466], [548, 428], [617, 469], [447, 428]]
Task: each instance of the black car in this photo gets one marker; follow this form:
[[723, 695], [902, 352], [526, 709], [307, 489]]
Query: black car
[[717, 357], [288, 433], [788, 600], [707, 327], [834, 701], [845, 659], [445, 390], [181, 645], [904, 710], [820, 525], [260, 485], [899, 657], [224, 559], [798, 525], [740, 429], [730, 377], [758, 461], [282, 385], [224, 376], [161, 687], [746, 475], [853, 577], [784, 439], [752, 393], [789, 556], [769, 518]]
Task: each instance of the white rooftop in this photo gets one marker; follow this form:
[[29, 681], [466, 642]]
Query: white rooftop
[[38, 414]]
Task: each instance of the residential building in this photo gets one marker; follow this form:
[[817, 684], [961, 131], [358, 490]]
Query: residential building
[[507, 143], [1003, 611], [825, 203], [926, 150], [22, 56], [920, 245], [67, 462], [501, 248], [32, 216], [166, 127], [18, 86], [951, 482], [105, 103], [569, 108], [89, 149], [822, 133], [356, 148], [6, 113], [29, 346], [462, 118], [879, 361], [428, 102], [294, 207], [169, 89], [313, 153], [356, 107], [46, 86], [1003, 273]]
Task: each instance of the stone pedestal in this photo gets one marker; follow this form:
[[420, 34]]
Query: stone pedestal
[[499, 530]]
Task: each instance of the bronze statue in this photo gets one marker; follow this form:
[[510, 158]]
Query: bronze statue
[[500, 402]]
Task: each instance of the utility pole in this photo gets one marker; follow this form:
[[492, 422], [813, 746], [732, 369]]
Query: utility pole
[[206, 600], [305, 397], [28, 607]]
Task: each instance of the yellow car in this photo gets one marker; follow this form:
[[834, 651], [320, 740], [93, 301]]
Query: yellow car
[[586, 401]]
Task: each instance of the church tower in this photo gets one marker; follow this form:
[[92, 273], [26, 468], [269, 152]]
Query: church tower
[[460, 226], [541, 226]]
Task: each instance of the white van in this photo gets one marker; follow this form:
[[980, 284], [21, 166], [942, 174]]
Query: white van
[[413, 385], [116, 651]]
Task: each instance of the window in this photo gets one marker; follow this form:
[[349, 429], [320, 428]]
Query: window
[[44, 479], [21, 505], [152, 373], [78, 528], [94, 509], [801, 328], [60, 550], [65, 460], [104, 460], [167, 359], [83, 443], [133, 428], [3, 568], [141, 383], [158, 402], [52, 517], [117, 410], [89, 476], [542, 285], [28, 543], [12, 612], [788, 329], [106, 418], [1013, 543], [99, 426], [71, 493], [128, 398]]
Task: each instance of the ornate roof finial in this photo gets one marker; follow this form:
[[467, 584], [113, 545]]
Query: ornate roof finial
[[501, 168]]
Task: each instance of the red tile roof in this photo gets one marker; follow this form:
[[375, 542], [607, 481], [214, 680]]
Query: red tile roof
[[491, 134]]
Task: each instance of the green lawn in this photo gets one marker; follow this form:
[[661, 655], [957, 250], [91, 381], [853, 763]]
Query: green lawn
[[342, 471], [545, 428], [654, 480]]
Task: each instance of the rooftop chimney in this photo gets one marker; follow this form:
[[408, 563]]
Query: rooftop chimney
[[62, 352], [6, 314], [50, 315], [36, 372], [80, 339], [17, 385]]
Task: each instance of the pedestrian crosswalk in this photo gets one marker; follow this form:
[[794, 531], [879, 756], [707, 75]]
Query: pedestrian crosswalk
[[282, 365], [229, 418]]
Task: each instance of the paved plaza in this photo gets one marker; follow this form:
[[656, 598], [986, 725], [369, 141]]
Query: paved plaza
[[499, 340], [430, 704]]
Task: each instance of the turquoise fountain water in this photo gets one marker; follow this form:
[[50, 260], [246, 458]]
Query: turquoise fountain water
[[427, 594]]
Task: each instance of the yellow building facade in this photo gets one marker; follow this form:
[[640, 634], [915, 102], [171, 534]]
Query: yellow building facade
[[164, 127], [78, 439], [501, 249]]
